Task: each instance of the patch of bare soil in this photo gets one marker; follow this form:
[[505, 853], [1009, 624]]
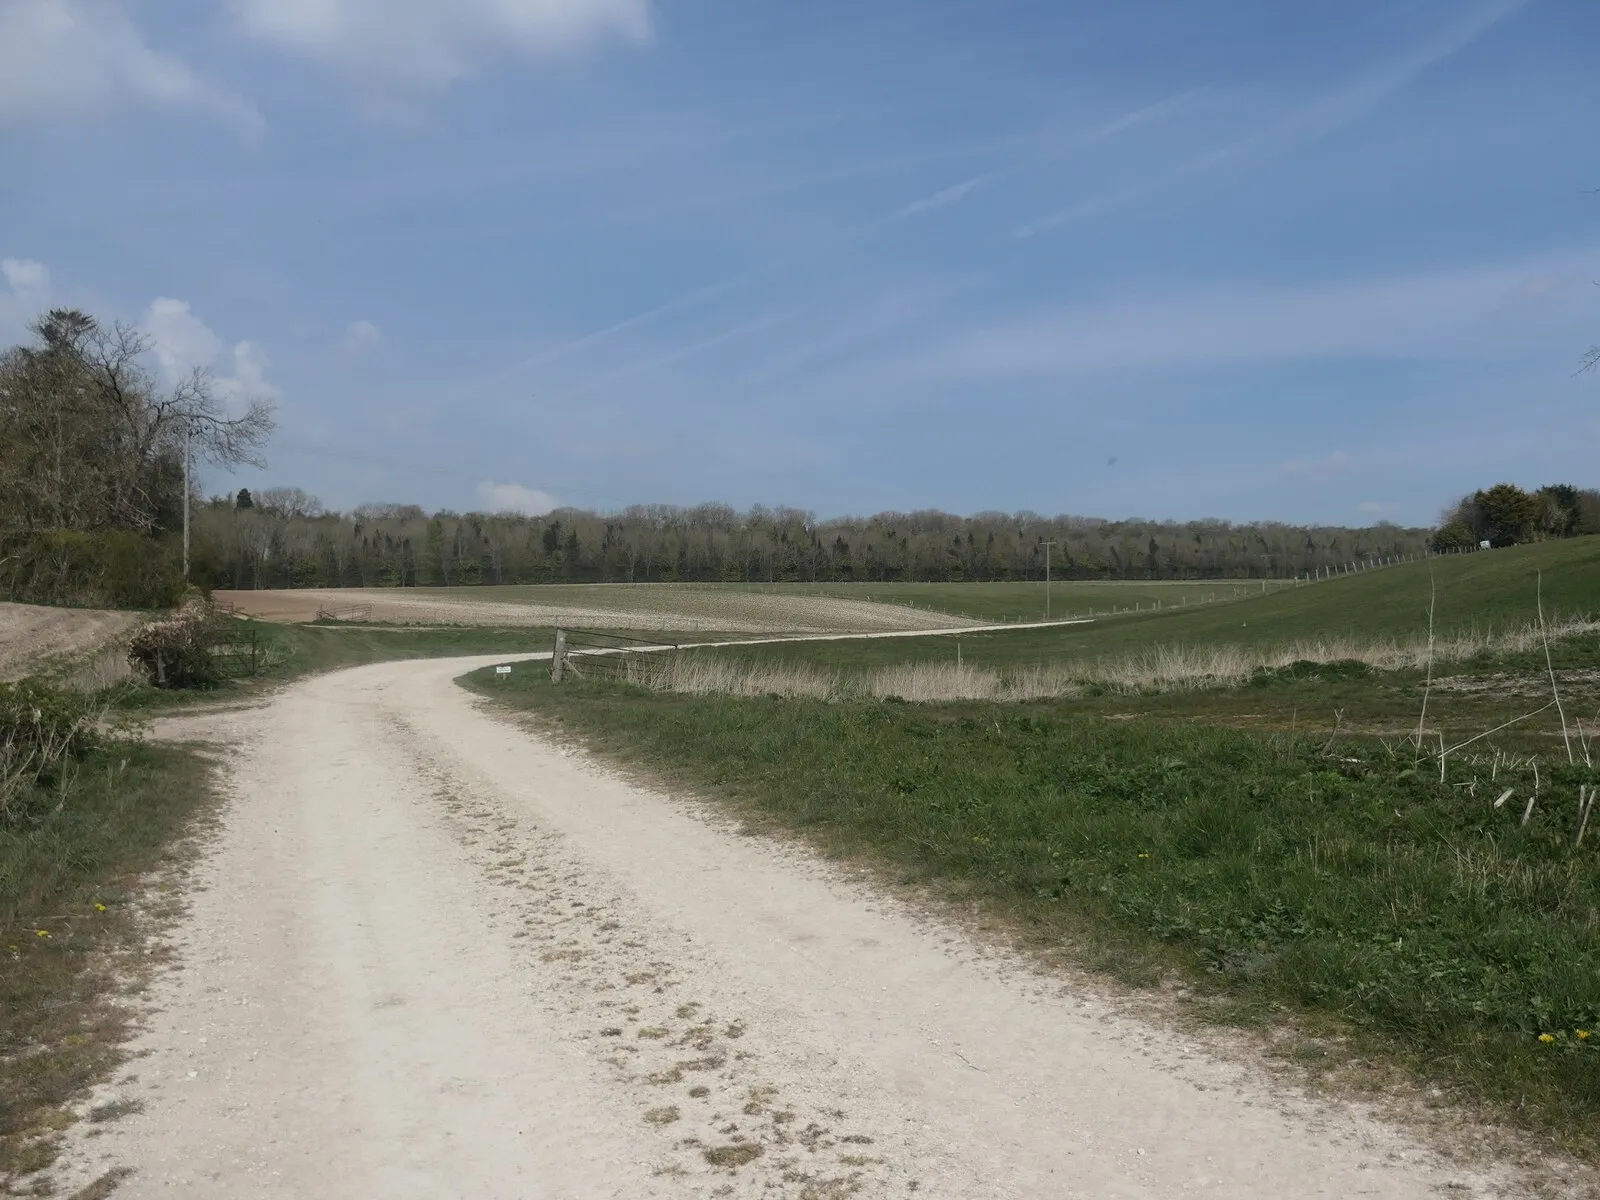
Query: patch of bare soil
[[33, 635]]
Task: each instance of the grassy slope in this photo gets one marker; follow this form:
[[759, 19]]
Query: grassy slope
[[1334, 886], [1025, 601], [1497, 588]]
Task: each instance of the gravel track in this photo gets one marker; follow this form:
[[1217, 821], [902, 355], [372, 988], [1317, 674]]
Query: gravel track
[[429, 954]]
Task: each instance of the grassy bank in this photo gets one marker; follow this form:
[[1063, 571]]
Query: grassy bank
[[1330, 883], [1025, 601], [1476, 597], [71, 855]]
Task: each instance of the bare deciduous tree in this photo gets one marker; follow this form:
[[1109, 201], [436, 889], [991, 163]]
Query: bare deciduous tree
[[89, 440]]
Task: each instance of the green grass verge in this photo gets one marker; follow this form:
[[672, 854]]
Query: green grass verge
[[65, 875], [1335, 887]]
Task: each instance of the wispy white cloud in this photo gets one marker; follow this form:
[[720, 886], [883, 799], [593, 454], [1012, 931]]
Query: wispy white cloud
[[27, 291], [72, 57], [954, 194], [677, 354], [1379, 508], [433, 43], [1327, 115], [24, 276], [1319, 469], [182, 342], [514, 498], [1484, 312], [1055, 148], [362, 336]]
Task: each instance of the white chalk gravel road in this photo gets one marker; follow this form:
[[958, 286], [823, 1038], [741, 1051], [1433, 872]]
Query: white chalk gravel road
[[428, 954]]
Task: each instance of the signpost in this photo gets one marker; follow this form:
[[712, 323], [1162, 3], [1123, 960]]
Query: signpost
[[502, 670]]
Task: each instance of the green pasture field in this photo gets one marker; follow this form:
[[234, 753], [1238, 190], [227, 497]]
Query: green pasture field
[[1025, 601], [1483, 591]]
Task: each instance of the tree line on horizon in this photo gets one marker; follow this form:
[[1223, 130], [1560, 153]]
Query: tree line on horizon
[[283, 537], [92, 448]]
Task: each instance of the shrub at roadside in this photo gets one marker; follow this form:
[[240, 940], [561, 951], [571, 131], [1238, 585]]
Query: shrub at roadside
[[43, 732], [180, 651]]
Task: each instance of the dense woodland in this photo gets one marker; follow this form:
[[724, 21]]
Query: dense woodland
[[283, 539]]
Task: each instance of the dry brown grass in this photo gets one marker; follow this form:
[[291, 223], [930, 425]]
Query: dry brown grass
[[1157, 669]]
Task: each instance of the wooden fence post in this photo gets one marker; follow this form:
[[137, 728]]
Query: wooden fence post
[[558, 658]]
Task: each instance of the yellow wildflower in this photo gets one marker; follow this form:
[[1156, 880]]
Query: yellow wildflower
[[99, 907], [1547, 1038], [42, 932], [1583, 1034]]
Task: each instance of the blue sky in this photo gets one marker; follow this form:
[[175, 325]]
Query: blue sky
[[1166, 258]]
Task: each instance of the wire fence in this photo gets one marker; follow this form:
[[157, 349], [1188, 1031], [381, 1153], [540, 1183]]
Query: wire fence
[[589, 654]]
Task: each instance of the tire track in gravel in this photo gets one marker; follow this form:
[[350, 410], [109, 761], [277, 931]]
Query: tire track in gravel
[[698, 1075]]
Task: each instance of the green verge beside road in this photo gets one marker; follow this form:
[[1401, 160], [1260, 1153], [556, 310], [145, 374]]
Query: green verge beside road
[[1330, 884], [73, 846]]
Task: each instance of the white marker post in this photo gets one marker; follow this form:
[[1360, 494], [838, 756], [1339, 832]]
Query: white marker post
[[502, 671]]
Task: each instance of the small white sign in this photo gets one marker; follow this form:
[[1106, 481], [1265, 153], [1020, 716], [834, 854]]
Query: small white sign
[[502, 670]]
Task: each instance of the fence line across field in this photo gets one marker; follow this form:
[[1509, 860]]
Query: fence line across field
[[598, 654]]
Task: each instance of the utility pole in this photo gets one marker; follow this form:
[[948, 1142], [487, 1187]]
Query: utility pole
[[186, 456], [1046, 543]]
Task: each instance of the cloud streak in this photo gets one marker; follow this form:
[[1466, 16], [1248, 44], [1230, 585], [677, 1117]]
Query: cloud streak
[[515, 498], [1484, 312], [1143, 115], [1323, 117]]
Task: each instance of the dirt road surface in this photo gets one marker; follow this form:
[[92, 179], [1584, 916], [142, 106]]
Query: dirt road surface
[[430, 955]]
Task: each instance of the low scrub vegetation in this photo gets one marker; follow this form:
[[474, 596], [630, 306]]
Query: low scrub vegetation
[[180, 651], [44, 733], [1156, 669]]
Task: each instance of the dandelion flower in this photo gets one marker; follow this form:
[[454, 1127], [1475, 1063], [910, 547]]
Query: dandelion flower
[[1547, 1038], [1144, 855], [41, 933], [1583, 1034], [99, 907]]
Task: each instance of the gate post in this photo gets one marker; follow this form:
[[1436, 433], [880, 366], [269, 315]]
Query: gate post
[[558, 658]]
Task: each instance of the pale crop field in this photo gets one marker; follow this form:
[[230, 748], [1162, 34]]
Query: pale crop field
[[687, 608]]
